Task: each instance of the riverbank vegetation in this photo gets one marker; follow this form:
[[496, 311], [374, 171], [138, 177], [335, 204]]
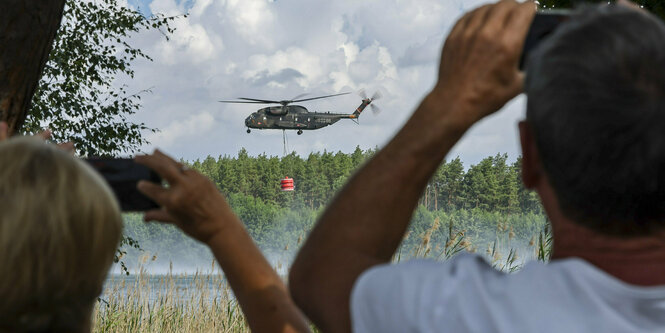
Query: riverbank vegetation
[[486, 202], [481, 208]]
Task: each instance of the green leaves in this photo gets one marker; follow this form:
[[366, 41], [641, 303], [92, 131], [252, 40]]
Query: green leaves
[[78, 97]]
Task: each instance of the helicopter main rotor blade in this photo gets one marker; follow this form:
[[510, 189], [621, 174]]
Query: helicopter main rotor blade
[[260, 100], [313, 98], [243, 102], [299, 96]]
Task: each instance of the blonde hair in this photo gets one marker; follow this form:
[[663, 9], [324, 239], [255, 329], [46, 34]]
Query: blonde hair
[[59, 229]]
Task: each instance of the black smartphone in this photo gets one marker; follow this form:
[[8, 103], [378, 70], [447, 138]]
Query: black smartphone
[[122, 174], [543, 25]]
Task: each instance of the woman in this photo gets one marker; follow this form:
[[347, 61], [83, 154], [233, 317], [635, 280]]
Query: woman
[[60, 226], [59, 229]]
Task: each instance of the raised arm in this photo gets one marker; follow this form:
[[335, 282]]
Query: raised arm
[[193, 204], [365, 223]]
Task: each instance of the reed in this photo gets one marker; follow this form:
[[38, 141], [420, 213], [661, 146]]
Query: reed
[[202, 302]]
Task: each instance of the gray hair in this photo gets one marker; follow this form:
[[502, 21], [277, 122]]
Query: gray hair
[[596, 105], [59, 229]]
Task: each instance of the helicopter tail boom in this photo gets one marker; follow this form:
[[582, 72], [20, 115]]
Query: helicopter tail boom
[[361, 108]]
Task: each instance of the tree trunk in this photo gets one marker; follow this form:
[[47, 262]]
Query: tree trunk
[[27, 30]]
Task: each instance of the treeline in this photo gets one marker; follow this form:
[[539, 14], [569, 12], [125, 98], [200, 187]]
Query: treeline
[[486, 203], [493, 185], [280, 231]]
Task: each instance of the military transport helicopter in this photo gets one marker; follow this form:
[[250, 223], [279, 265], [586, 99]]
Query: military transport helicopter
[[296, 117]]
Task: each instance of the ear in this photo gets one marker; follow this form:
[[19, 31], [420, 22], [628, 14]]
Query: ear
[[531, 167]]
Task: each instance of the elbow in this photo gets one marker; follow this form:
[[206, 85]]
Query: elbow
[[300, 284], [305, 289]]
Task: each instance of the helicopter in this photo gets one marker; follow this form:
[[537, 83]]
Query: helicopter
[[286, 116]]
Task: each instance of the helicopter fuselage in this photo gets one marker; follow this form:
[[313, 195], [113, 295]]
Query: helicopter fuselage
[[292, 117]]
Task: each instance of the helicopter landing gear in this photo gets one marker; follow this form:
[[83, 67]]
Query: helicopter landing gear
[[249, 130], [299, 132]]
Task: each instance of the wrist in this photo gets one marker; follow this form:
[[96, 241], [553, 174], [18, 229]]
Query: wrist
[[435, 126], [456, 112], [223, 224], [225, 231]]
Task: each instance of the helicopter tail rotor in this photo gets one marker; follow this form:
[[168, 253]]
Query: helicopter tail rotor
[[367, 102], [362, 93], [377, 95], [375, 109]]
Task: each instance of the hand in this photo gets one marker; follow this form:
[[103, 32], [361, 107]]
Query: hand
[[44, 135], [191, 202], [479, 62]]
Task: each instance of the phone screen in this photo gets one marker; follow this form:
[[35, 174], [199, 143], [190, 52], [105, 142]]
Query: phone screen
[[122, 175], [543, 25]]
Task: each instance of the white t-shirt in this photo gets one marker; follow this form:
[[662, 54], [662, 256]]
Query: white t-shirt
[[465, 294]]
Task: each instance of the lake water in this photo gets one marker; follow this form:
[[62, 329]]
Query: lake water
[[166, 289]]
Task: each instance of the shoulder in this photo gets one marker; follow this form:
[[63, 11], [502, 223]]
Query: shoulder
[[463, 265], [401, 294]]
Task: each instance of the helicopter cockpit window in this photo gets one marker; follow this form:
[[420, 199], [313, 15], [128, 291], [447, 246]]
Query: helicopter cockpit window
[[297, 109]]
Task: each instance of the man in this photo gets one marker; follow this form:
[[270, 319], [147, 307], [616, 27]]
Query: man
[[593, 149]]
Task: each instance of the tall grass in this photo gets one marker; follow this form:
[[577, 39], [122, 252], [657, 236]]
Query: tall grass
[[504, 252], [202, 302]]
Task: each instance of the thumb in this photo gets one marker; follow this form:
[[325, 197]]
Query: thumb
[[159, 215], [4, 131]]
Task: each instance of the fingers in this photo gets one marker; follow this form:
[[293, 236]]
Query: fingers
[[520, 20], [67, 146], [4, 131], [518, 26], [518, 87], [477, 18], [44, 135], [153, 191], [164, 165], [159, 215], [459, 26], [500, 12]]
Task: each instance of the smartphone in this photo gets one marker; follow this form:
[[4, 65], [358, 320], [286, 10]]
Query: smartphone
[[543, 25], [122, 174]]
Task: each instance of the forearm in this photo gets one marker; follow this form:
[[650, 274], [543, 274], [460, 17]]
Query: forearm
[[366, 222], [370, 215], [194, 204], [261, 293], [478, 74]]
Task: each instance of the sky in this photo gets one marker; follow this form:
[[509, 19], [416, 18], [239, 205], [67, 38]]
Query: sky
[[280, 49]]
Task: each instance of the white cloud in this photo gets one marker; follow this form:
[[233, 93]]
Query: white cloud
[[182, 130], [294, 58], [279, 49], [250, 18]]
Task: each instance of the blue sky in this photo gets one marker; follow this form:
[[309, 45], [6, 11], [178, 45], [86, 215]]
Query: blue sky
[[266, 49]]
